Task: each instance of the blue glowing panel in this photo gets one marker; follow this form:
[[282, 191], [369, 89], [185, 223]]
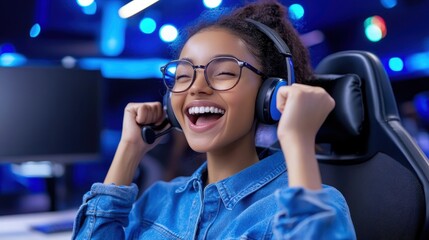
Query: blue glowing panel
[[12, 59], [112, 30], [418, 62], [125, 68]]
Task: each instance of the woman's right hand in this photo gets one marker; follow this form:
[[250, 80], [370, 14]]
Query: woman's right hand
[[132, 148], [135, 116]]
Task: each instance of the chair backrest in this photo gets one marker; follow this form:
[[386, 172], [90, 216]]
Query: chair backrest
[[370, 157]]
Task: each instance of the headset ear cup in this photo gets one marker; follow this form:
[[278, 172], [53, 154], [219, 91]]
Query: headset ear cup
[[169, 111], [266, 109]]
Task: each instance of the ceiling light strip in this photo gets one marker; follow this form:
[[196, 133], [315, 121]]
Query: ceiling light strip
[[134, 7]]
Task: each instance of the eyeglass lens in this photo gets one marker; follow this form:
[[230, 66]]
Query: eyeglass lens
[[220, 74]]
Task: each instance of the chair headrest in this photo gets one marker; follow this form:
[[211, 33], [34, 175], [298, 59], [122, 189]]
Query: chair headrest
[[345, 122]]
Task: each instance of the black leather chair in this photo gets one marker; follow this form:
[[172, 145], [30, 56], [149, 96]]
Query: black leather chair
[[366, 153]]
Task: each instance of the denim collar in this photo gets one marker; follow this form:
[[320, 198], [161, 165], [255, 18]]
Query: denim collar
[[243, 183]]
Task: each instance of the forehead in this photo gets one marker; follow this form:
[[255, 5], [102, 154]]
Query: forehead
[[209, 43]]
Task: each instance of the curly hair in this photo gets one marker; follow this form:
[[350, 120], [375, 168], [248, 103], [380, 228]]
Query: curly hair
[[270, 13]]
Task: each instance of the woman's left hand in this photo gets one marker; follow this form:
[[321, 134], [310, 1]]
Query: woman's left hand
[[304, 108]]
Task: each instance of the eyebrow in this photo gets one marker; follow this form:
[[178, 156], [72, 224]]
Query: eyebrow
[[215, 56]]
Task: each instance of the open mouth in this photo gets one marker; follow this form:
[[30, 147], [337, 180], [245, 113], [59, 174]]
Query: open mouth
[[204, 114]]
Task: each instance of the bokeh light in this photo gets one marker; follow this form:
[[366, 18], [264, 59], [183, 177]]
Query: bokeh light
[[35, 30], [84, 3], [168, 33], [296, 11], [147, 25], [396, 64], [212, 3], [375, 28], [389, 3], [90, 9]]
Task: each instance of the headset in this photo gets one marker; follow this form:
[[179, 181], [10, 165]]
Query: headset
[[266, 110]]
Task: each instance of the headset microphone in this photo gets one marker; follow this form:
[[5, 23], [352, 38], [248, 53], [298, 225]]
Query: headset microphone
[[148, 132]]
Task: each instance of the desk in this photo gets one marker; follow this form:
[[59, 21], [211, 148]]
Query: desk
[[18, 227]]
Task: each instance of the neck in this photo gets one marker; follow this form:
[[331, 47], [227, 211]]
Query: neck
[[231, 159]]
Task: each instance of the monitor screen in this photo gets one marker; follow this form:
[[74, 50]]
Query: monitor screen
[[49, 114]]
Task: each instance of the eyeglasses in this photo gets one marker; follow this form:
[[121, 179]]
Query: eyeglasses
[[221, 73]]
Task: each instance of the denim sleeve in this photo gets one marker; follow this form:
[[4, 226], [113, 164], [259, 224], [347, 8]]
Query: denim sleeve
[[104, 212], [307, 214]]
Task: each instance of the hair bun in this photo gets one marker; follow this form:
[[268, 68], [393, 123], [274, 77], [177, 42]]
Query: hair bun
[[268, 12]]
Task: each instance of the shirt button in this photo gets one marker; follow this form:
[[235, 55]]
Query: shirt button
[[195, 185]]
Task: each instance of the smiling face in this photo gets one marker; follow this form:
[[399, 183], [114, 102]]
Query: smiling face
[[211, 120]]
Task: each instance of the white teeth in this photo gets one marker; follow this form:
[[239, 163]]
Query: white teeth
[[201, 110]]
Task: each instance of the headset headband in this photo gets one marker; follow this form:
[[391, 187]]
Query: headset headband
[[280, 44]]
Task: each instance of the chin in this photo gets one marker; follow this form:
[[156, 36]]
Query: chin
[[207, 143], [199, 146]]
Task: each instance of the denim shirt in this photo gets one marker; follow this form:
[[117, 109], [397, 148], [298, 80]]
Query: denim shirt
[[255, 203]]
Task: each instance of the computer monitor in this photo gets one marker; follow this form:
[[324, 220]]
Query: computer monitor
[[49, 114]]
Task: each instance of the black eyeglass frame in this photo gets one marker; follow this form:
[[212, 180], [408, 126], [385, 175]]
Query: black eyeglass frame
[[240, 63]]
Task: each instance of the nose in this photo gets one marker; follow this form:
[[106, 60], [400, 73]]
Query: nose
[[200, 84]]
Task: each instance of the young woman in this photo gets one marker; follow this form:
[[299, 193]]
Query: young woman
[[235, 194]]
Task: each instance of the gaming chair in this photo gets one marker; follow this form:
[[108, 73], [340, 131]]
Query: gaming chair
[[366, 153]]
